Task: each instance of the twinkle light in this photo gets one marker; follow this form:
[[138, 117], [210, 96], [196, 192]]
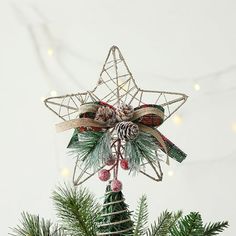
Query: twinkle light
[[197, 87], [53, 93], [177, 119], [50, 52], [65, 172], [170, 173], [234, 127]]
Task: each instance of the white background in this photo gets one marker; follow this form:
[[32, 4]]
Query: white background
[[169, 45]]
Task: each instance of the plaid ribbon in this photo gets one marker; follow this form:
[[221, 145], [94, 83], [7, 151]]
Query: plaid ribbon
[[148, 118]]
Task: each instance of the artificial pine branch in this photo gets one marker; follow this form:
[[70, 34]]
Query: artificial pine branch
[[215, 228], [142, 148], [162, 226], [77, 211], [32, 225], [141, 217], [93, 148], [190, 225], [175, 217], [74, 139], [80, 215]]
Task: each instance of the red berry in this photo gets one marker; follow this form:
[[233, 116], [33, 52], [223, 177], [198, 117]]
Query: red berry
[[116, 185], [104, 175], [124, 164]]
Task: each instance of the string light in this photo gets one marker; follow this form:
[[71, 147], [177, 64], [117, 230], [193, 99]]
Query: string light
[[234, 127], [197, 87], [65, 172], [177, 119], [50, 52], [170, 173], [53, 93]]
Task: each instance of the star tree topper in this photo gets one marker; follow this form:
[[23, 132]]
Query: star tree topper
[[115, 86]]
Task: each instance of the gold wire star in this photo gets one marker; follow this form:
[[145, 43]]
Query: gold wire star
[[115, 86]]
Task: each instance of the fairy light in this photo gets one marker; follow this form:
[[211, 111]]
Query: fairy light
[[65, 172], [50, 52], [177, 119], [170, 173], [234, 127], [53, 93], [197, 87]]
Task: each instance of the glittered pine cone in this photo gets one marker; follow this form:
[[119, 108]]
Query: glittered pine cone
[[127, 130], [124, 112], [105, 115]]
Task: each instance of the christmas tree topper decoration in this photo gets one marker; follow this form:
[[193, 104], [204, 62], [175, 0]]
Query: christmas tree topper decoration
[[116, 124]]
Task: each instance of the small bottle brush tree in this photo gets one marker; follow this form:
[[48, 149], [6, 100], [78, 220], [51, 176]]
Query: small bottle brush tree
[[115, 218]]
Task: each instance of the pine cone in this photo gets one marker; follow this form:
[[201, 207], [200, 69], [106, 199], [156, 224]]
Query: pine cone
[[127, 130], [105, 115], [124, 112]]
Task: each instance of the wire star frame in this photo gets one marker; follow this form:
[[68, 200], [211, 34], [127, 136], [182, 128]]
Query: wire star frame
[[115, 86]]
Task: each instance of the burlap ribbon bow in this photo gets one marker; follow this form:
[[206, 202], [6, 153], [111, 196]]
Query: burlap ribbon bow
[[138, 113]]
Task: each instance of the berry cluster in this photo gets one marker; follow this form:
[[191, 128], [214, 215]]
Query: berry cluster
[[105, 174]]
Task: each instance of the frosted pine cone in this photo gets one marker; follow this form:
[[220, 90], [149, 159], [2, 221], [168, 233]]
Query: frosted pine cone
[[124, 112], [127, 130], [105, 115]]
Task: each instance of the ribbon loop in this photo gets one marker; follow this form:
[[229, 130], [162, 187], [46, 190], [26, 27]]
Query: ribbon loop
[[80, 122], [166, 146]]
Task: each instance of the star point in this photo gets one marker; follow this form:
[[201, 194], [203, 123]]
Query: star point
[[115, 85]]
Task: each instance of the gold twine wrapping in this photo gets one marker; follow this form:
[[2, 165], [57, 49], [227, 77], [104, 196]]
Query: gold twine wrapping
[[88, 122]]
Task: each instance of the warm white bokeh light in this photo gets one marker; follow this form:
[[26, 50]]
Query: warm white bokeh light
[[65, 172], [50, 52], [177, 119], [234, 127], [197, 86]]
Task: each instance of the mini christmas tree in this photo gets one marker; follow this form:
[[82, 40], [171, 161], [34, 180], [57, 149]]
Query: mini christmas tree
[[115, 218]]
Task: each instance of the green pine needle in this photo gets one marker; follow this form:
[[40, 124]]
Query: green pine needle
[[215, 228], [93, 148], [190, 225], [77, 210], [141, 217], [80, 215], [32, 225], [141, 149], [162, 226], [175, 217]]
